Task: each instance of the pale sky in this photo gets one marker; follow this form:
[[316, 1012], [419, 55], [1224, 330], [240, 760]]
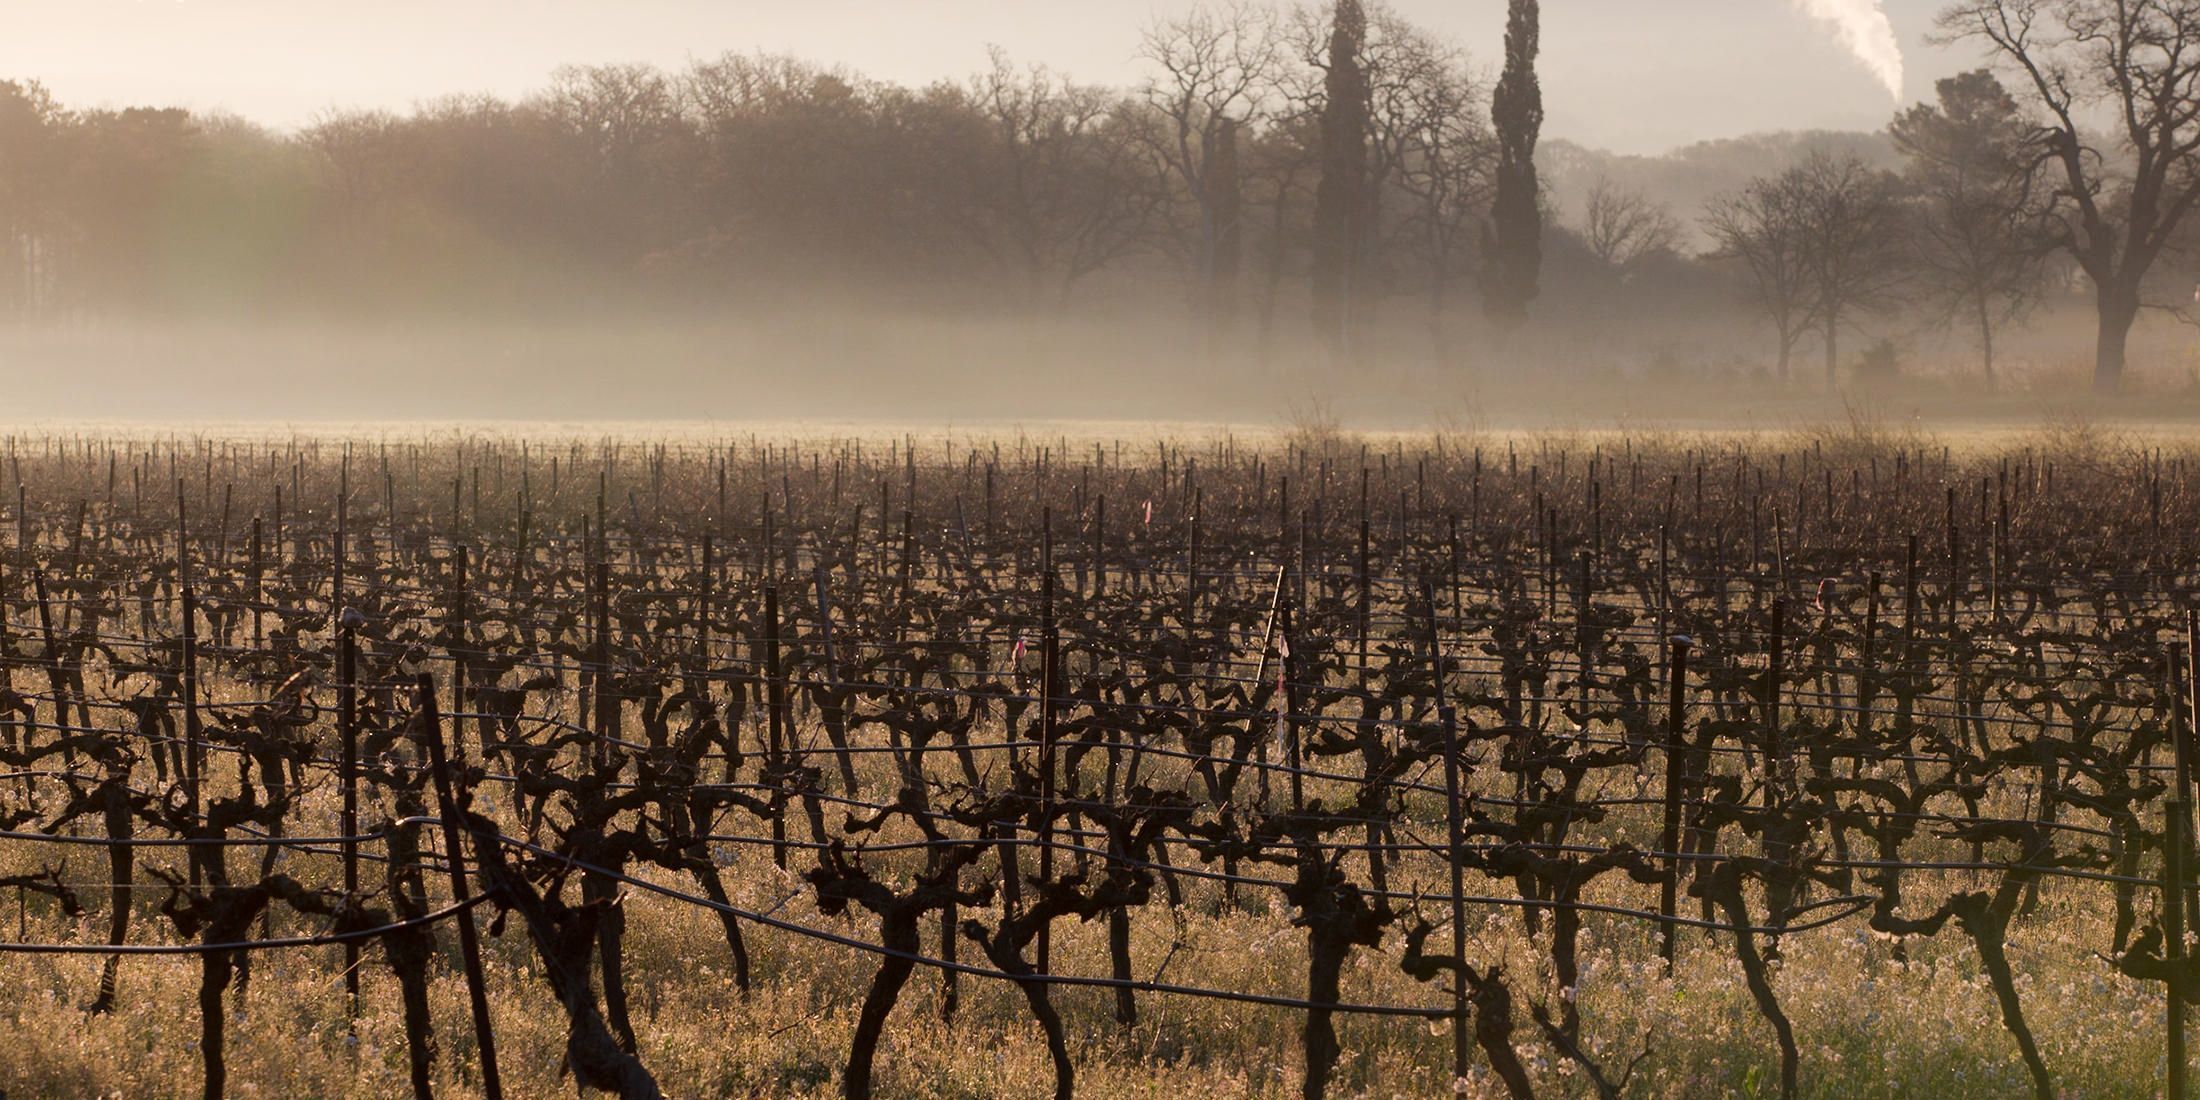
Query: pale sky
[[1628, 75]]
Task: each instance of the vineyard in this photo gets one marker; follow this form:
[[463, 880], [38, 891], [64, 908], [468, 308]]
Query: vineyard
[[1835, 764]]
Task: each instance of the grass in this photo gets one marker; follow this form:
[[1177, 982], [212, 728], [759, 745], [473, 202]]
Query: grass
[[1868, 1024]]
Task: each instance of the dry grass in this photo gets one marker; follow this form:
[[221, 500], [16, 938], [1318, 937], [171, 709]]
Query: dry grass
[[1868, 1025]]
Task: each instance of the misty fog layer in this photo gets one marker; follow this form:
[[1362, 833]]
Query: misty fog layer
[[764, 236]]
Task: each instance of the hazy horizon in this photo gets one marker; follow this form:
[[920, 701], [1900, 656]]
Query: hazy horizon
[[681, 221], [1623, 76]]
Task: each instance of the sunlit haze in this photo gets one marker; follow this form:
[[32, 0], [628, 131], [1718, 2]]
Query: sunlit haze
[[1629, 75]]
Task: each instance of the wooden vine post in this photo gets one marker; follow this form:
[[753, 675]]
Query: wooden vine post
[[347, 726], [1049, 656], [775, 752], [1455, 823], [193, 752], [451, 811], [458, 647], [2176, 864], [1676, 769], [2175, 838], [607, 704]]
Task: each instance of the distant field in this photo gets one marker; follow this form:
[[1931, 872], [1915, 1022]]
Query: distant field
[[811, 371]]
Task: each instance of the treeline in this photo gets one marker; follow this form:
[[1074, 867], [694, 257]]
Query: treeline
[[1323, 175], [1214, 190], [754, 173]]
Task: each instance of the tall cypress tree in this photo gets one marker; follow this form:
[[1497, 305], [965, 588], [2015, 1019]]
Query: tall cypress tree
[[1512, 240], [1340, 200]]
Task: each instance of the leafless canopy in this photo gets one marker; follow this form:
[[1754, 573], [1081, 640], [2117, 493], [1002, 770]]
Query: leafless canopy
[[2122, 188]]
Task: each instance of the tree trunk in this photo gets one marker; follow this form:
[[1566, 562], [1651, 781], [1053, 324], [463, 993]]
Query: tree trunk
[[1438, 286], [1493, 1031], [1273, 286], [610, 936], [215, 971], [898, 932], [1986, 339], [1325, 956], [2118, 309], [1222, 235], [1833, 347]]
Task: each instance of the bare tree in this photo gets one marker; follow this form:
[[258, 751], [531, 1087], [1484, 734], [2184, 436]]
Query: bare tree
[[627, 129], [1430, 156], [1341, 200], [1062, 183], [30, 130], [1762, 228], [128, 159], [793, 168], [1215, 77], [1822, 242], [1621, 226], [1980, 227], [360, 153], [717, 91], [1282, 165], [1853, 245], [1433, 146], [2124, 187]]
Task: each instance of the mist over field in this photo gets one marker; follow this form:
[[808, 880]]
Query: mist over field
[[1205, 231], [892, 367]]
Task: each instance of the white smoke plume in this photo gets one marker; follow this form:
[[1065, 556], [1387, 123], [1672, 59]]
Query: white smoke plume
[[1863, 27]]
